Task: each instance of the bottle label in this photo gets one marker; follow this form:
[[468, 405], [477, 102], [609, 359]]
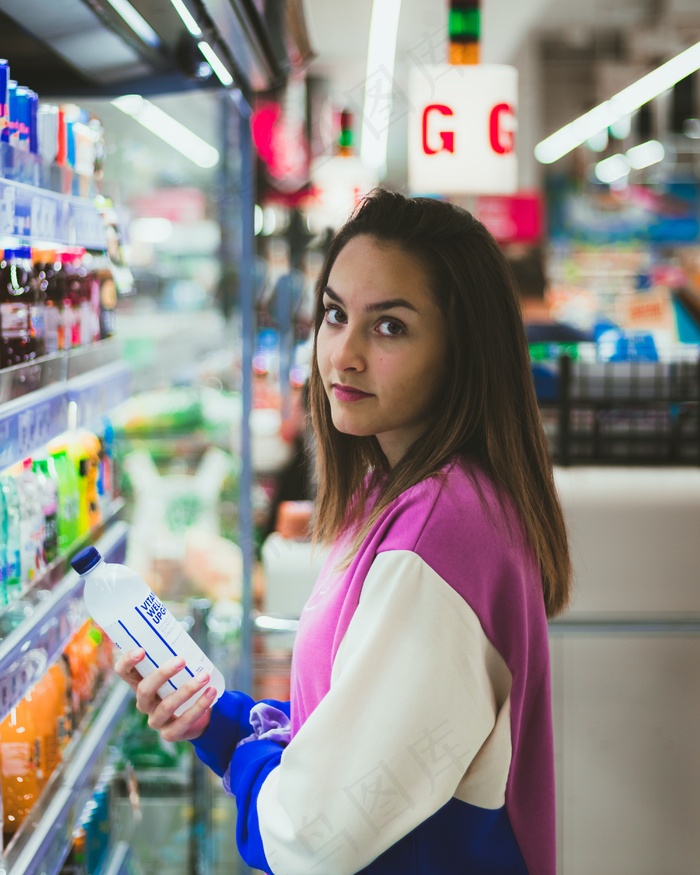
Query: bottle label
[[150, 625], [37, 320], [53, 329], [15, 319], [16, 759]]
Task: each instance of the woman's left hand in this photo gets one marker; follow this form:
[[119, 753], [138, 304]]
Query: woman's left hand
[[161, 712]]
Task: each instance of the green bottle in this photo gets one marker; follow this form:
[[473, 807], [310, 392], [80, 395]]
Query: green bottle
[[68, 498]]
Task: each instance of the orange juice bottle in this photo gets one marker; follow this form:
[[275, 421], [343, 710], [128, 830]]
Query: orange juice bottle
[[45, 697], [61, 681], [80, 654], [103, 652], [20, 754]]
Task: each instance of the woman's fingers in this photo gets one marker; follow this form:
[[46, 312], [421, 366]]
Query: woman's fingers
[[125, 667], [165, 711], [161, 712], [193, 722]]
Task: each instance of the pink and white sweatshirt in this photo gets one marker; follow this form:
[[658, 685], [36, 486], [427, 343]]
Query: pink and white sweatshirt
[[420, 740]]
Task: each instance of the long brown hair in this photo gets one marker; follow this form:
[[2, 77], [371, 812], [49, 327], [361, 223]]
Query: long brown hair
[[488, 414]]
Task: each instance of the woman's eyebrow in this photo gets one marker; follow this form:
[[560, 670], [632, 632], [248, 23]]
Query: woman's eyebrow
[[389, 304]]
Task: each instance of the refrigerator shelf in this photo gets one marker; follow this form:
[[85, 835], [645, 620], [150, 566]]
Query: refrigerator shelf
[[51, 620], [44, 840]]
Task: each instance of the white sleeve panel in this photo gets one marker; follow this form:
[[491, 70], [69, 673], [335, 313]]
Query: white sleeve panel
[[415, 692]]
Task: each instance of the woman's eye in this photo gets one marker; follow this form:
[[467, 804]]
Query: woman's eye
[[390, 328], [334, 316]]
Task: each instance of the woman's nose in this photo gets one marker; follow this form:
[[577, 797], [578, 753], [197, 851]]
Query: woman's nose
[[348, 352]]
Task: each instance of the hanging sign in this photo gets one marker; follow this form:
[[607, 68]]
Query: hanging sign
[[461, 129]]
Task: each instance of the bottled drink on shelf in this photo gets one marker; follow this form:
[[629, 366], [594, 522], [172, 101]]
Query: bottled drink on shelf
[[45, 471], [4, 597], [46, 278], [71, 274], [21, 309], [76, 862], [31, 522], [20, 757], [12, 536], [4, 109], [68, 496], [81, 461], [132, 615], [105, 486], [60, 679], [90, 301], [85, 448], [80, 655], [45, 697], [108, 303]]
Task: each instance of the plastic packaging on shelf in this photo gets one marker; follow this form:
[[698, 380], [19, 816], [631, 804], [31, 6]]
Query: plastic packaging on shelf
[[10, 538], [31, 522], [132, 615], [47, 479], [20, 762]]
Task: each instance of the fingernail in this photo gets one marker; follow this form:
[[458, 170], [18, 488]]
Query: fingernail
[[210, 692], [137, 653], [204, 679], [178, 663]]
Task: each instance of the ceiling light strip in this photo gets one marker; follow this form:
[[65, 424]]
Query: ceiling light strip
[[168, 129], [217, 65], [136, 22], [187, 18], [621, 104], [379, 83]]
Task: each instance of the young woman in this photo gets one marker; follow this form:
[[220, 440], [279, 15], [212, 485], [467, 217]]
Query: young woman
[[419, 740]]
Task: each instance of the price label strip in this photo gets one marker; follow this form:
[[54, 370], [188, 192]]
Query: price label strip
[[37, 214], [30, 423]]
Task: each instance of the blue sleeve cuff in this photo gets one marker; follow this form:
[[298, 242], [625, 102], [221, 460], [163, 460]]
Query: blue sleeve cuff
[[229, 723], [250, 766]]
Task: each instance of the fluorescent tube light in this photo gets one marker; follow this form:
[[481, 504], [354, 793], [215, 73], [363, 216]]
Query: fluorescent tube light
[[187, 18], [645, 154], [168, 129], [381, 56], [611, 169], [623, 103], [136, 22], [216, 64]]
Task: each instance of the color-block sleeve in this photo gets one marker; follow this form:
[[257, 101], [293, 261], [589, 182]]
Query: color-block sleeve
[[411, 703], [229, 724]]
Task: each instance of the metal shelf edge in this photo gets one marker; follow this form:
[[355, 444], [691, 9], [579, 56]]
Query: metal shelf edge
[[28, 634]]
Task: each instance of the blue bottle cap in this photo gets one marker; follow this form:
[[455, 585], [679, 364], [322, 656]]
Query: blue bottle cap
[[86, 560]]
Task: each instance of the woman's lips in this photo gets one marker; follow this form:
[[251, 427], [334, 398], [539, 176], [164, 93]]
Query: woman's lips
[[348, 393]]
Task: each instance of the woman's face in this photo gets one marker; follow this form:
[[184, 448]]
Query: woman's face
[[382, 346]]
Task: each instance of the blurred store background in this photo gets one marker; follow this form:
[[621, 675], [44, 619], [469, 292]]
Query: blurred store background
[[171, 175]]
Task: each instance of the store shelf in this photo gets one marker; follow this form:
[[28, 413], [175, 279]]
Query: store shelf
[[43, 842], [36, 396], [43, 634], [120, 861], [38, 215]]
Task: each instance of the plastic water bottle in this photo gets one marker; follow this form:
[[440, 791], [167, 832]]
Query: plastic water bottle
[[13, 539], [133, 616]]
